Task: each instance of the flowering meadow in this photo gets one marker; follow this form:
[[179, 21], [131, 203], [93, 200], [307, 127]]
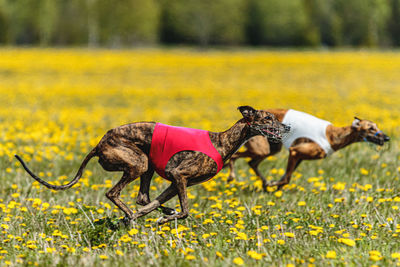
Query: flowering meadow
[[55, 105]]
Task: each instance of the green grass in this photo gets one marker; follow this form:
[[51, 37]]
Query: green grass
[[238, 209]]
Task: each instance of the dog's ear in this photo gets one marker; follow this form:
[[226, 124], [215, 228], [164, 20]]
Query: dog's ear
[[247, 112], [356, 123]]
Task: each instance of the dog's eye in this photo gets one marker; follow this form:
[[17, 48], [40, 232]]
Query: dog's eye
[[268, 117]]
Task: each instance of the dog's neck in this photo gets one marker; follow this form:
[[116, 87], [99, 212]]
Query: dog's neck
[[340, 137], [228, 142]]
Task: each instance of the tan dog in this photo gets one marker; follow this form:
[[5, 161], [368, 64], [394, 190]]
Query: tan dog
[[303, 147]]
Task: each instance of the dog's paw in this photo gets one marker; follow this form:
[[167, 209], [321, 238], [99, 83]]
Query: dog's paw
[[167, 211]]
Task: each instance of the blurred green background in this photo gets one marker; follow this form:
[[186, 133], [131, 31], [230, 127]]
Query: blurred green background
[[124, 23]]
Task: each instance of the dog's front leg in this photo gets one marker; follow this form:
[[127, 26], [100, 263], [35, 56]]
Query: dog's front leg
[[231, 165], [254, 165], [181, 186], [292, 165], [168, 193], [143, 197]]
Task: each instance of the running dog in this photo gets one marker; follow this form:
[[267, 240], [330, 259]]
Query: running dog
[[183, 156], [310, 138]]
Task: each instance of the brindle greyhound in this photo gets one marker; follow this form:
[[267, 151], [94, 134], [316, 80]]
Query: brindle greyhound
[[258, 148], [127, 149]]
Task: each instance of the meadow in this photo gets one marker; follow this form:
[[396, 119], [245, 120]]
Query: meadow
[[55, 105]]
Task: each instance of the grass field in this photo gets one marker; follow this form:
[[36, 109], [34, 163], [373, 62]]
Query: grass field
[[56, 104]]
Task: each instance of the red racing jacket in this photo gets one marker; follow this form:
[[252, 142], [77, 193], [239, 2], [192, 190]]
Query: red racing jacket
[[169, 140]]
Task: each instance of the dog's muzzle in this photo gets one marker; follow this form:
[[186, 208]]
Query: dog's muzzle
[[276, 133], [379, 138], [386, 138]]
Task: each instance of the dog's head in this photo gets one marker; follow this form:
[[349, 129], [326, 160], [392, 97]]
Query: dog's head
[[264, 123], [369, 131]]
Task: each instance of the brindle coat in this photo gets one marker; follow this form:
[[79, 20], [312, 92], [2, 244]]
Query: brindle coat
[[258, 148], [127, 148]]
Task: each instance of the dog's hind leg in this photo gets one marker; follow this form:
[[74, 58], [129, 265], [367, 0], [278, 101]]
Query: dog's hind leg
[[293, 163], [298, 153], [132, 161], [115, 192]]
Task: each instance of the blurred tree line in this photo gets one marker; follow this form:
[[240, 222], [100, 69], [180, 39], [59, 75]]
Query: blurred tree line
[[200, 22]]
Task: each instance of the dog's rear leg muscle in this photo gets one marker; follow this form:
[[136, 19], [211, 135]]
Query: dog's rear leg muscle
[[132, 161]]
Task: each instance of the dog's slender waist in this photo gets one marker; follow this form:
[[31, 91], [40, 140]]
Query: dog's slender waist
[[169, 140]]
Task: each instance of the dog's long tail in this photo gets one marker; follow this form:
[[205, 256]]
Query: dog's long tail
[[61, 187]]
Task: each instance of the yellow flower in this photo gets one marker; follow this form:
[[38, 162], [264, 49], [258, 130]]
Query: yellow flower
[[190, 257], [331, 254], [339, 200], [50, 250], [363, 171], [375, 255], [219, 255], [103, 257], [347, 241], [278, 193], [205, 236], [301, 203], [238, 261], [241, 236], [281, 241], [208, 221], [69, 211], [100, 211], [133, 231], [254, 255], [288, 234], [396, 255], [339, 186]]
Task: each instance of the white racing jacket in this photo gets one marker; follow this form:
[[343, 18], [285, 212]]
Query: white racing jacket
[[305, 125]]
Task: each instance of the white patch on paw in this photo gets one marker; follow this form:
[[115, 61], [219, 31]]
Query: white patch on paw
[[174, 212]]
